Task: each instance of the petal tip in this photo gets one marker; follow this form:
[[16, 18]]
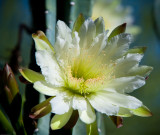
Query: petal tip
[[38, 34]]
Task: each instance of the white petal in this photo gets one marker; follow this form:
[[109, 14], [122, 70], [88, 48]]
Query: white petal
[[99, 102], [140, 70], [63, 31], [117, 46], [126, 84], [46, 89], [61, 103], [120, 100], [49, 67], [99, 43], [87, 116], [63, 39], [124, 64], [58, 121], [87, 33], [79, 103], [75, 41], [59, 44]]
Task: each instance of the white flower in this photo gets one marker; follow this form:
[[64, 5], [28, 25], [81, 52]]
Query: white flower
[[87, 72]]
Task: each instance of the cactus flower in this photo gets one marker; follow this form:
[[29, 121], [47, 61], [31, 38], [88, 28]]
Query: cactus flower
[[87, 70]]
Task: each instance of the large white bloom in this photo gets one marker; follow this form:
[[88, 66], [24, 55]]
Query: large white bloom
[[86, 72]]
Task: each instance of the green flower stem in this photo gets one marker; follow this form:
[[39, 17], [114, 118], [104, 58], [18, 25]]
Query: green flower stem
[[92, 128]]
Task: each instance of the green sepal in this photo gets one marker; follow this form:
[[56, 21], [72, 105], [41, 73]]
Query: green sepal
[[41, 109], [78, 23], [124, 112], [141, 70], [8, 79], [6, 72], [100, 27], [118, 121], [142, 111], [41, 41], [59, 121], [31, 75], [7, 96], [73, 120], [92, 128], [125, 115], [12, 85], [118, 30], [140, 50]]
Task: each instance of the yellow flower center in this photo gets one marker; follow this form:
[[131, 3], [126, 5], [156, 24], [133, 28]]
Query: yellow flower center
[[88, 73]]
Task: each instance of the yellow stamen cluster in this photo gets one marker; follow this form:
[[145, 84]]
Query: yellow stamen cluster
[[87, 73]]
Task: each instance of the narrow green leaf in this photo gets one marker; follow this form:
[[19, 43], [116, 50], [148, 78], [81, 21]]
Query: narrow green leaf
[[5, 126], [92, 128], [31, 75], [118, 30], [41, 109], [118, 121], [78, 23], [140, 50], [142, 111]]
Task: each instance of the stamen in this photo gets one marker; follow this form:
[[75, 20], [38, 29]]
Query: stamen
[[88, 73]]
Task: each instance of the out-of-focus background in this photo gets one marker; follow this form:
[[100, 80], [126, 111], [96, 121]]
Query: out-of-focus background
[[17, 22]]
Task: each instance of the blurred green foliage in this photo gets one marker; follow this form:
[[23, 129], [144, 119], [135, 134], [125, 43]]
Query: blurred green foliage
[[11, 102]]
